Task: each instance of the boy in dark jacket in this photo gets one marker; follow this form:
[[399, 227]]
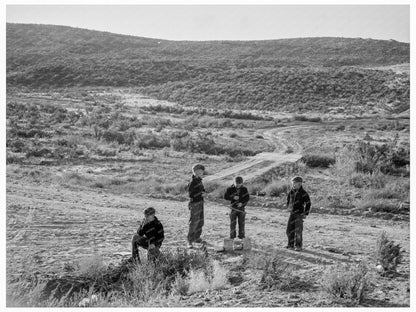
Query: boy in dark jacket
[[299, 204], [196, 205], [150, 236], [238, 195]]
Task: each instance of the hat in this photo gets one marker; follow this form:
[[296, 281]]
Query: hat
[[149, 211], [297, 179], [198, 166], [238, 180]]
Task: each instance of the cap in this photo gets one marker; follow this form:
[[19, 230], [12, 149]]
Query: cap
[[297, 179], [149, 211], [238, 180], [198, 166]]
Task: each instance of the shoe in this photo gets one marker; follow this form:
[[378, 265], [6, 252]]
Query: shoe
[[190, 246], [289, 247], [298, 249]]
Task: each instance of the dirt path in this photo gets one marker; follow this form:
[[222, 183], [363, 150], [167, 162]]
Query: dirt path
[[263, 162]]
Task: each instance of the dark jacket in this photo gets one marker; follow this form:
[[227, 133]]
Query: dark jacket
[[153, 231], [196, 188], [242, 194], [298, 201]]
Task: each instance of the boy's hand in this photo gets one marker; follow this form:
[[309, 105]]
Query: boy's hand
[[236, 197], [240, 205], [151, 246]]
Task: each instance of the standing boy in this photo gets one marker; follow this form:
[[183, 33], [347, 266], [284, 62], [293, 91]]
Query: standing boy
[[299, 204], [196, 205], [150, 236], [238, 195]]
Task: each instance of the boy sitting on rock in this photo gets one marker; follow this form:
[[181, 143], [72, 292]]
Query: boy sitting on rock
[[150, 236]]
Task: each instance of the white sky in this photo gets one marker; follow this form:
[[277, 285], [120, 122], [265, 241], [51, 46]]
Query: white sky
[[226, 22]]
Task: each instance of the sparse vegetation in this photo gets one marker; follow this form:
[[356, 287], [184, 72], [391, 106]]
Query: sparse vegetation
[[388, 254], [348, 282]]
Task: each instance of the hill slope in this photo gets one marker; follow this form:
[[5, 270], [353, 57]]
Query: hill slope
[[289, 74]]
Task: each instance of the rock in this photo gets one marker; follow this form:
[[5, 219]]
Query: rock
[[199, 304]]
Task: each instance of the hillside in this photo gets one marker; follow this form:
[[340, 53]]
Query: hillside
[[299, 74]]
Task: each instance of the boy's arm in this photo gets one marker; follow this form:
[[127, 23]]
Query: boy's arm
[[196, 189], [244, 198], [307, 203], [227, 194], [160, 235], [140, 230], [288, 200]]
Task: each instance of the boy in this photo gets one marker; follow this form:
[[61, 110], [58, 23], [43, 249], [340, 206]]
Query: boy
[[238, 195], [196, 205], [150, 236], [299, 204]]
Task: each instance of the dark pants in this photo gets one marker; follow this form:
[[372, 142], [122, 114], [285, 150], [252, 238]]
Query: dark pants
[[294, 230], [241, 217], [140, 241], [196, 221]]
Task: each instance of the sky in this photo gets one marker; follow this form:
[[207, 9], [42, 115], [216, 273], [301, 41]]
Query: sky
[[226, 22]]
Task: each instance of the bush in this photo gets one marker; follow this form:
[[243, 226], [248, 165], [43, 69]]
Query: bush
[[362, 180], [348, 282], [276, 188], [388, 254], [378, 205], [280, 275], [256, 188], [316, 160]]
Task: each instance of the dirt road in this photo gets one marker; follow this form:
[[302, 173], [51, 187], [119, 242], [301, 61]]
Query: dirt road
[[263, 162]]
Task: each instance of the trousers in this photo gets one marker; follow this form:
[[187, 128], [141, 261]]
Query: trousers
[[239, 216], [294, 230], [141, 241], [196, 221]]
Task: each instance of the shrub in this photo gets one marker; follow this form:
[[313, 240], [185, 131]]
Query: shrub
[[256, 188], [378, 205], [306, 118], [106, 152], [38, 152], [92, 267], [280, 275], [388, 254], [361, 180], [276, 188], [315, 160], [215, 190], [180, 286], [197, 282], [348, 282]]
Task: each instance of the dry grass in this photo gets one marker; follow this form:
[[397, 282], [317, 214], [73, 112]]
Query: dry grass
[[347, 282]]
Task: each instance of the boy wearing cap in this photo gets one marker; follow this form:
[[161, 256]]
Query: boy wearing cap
[[149, 235], [196, 205], [299, 204], [238, 195]]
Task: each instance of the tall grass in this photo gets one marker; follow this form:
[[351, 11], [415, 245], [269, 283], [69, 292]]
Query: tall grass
[[176, 272]]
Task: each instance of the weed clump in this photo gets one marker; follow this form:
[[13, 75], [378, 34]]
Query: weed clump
[[347, 282], [388, 254]]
